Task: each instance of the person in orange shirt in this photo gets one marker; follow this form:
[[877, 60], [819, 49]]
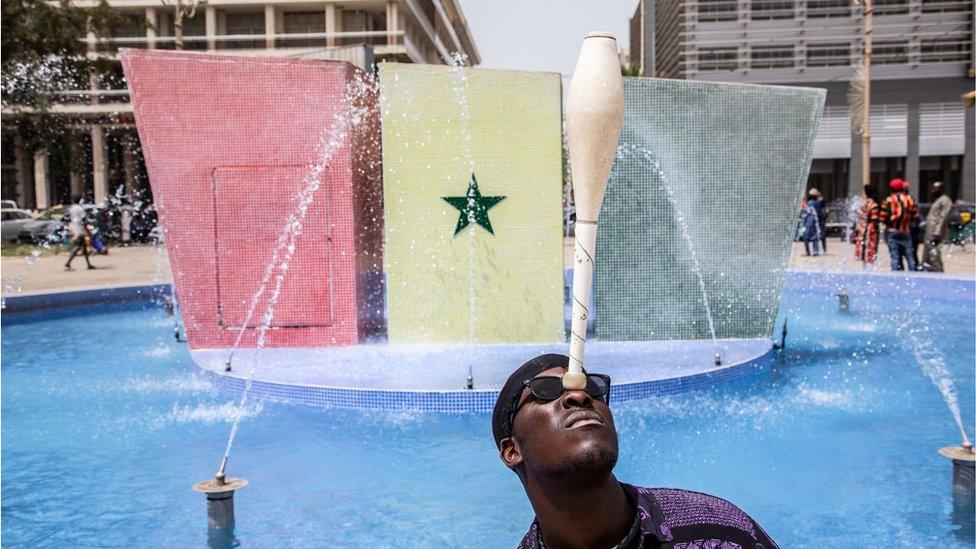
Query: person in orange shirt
[[898, 211]]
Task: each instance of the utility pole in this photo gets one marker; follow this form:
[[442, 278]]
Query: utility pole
[[866, 135], [859, 94]]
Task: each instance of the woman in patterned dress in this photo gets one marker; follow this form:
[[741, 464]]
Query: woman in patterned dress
[[866, 232]]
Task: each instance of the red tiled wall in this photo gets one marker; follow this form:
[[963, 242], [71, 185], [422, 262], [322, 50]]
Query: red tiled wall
[[228, 142]]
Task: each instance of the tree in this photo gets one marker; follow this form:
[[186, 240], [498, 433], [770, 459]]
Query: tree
[[182, 9], [44, 53], [632, 69]]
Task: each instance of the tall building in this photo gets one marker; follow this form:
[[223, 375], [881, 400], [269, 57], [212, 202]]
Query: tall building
[[923, 62], [103, 158]]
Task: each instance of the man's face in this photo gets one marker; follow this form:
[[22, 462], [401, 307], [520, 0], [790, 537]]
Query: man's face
[[573, 435]]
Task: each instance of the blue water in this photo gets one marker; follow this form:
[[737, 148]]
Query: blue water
[[106, 425]]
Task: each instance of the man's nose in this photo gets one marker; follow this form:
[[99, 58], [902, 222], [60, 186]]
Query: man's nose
[[577, 399]]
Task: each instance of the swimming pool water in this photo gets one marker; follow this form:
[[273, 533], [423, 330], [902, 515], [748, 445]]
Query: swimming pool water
[[107, 424]]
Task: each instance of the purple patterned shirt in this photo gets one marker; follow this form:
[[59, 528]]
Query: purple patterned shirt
[[679, 519]]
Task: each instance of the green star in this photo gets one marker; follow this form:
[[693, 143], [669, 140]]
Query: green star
[[473, 207]]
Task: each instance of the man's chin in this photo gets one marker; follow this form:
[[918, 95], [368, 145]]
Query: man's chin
[[590, 461]]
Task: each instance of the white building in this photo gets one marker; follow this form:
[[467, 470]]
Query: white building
[[102, 156]]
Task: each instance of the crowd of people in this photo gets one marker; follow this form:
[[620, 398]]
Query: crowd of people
[[895, 218]]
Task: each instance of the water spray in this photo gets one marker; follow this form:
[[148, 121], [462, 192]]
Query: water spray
[[782, 336], [594, 118]]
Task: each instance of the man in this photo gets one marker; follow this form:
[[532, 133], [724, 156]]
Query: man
[[814, 221], [80, 238], [936, 228], [897, 212], [563, 447]]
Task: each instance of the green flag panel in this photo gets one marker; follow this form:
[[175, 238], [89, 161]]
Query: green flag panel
[[472, 169], [707, 181]]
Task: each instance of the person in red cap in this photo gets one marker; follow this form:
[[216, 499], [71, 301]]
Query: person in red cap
[[898, 211]]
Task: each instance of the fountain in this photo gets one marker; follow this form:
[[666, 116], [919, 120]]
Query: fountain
[[488, 292], [481, 285]]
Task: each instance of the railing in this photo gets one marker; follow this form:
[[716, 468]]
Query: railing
[[828, 8], [92, 97], [254, 41], [942, 6], [772, 9]]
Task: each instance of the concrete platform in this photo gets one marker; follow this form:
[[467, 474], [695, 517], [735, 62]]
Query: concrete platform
[[433, 377]]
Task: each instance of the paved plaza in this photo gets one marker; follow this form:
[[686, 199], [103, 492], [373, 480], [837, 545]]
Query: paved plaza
[[149, 265]]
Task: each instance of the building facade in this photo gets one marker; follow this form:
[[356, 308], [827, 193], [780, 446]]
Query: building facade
[[923, 62], [101, 157]]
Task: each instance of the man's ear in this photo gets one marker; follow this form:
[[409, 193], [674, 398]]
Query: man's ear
[[511, 452]]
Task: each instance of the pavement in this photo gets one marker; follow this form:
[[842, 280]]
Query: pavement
[[137, 265], [123, 266]]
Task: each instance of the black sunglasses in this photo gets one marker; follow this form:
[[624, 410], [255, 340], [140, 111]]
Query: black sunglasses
[[549, 388]]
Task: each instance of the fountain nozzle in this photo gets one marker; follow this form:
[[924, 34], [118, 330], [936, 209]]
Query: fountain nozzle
[[470, 379], [718, 359], [844, 301], [220, 497], [227, 365]]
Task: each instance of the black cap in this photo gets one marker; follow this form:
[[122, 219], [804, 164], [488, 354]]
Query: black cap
[[513, 388]]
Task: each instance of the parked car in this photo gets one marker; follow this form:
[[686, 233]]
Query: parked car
[[9, 205], [12, 221], [50, 225]]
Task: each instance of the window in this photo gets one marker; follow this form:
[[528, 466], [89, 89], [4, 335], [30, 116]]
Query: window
[[828, 8], [948, 49], [890, 7], [890, 53], [245, 23], [772, 57], [828, 55], [302, 22], [717, 10], [718, 59], [939, 6], [772, 9]]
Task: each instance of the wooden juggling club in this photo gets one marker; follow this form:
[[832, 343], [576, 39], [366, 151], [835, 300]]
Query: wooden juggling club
[[594, 117]]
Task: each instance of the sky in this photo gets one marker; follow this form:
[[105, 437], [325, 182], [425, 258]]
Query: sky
[[542, 35]]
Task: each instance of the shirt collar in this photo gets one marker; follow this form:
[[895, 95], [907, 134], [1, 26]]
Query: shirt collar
[[649, 517]]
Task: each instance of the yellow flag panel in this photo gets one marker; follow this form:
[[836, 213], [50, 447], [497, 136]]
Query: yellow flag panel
[[472, 169]]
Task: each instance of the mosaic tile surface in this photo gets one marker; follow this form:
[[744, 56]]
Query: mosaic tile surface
[[230, 143], [723, 166], [472, 169]]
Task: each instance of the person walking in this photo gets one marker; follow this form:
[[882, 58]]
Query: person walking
[[897, 212], [80, 236], [936, 228], [866, 230], [813, 215]]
